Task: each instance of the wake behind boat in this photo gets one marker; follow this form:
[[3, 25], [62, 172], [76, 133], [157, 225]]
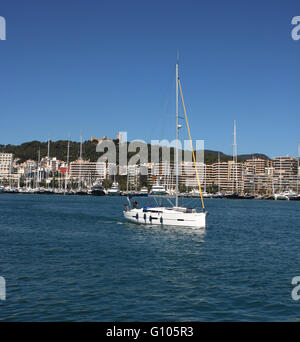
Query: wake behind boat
[[175, 215]]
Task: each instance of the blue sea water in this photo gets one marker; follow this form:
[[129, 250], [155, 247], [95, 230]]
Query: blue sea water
[[68, 258]]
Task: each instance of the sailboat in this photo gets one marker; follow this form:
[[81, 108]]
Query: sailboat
[[67, 191], [175, 215]]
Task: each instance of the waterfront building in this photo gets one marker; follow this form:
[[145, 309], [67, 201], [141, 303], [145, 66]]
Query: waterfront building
[[133, 174], [221, 176], [88, 172], [255, 175], [257, 166], [285, 166], [6, 164], [54, 164], [285, 173], [189, 177]]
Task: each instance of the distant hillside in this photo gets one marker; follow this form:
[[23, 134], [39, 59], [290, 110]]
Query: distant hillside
[[211, 157], [243, 157], [58, 149]]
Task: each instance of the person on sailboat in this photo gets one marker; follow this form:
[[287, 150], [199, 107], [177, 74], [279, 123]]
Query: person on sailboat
[[135, 204]]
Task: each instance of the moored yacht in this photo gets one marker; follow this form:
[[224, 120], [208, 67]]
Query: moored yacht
[[231, 195], [218, 195], [196, 193], [97, 190], [285, 196], [280, 197], [144, 191], [114, 190], [158, 189]]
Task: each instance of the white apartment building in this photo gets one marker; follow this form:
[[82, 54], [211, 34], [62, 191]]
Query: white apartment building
[[87, 171], [6, 164]]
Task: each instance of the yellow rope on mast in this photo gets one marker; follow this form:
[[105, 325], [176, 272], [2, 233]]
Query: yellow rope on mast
[[193, 153]]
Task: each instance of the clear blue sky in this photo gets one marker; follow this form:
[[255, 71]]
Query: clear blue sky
[[108, 66]]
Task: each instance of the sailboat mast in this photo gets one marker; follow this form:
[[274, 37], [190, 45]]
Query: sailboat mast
[[254, 173], [67, 171], [48, 161], [38, 169], [177, 135], [80, 161], [280, 177], [48, 155], [298, 169], [219, 185], [235, 156]]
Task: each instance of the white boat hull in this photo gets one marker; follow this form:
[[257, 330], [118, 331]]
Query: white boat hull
[[158, 193], [114, 193], [285, 195], [279, 197], [166, 217]]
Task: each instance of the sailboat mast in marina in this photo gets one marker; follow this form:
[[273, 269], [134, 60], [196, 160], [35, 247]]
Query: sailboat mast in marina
[[38, 169], [235, 158], [175, 215], [67, 170], [298, 169], [177, 135], [48, 162], [80, 162]]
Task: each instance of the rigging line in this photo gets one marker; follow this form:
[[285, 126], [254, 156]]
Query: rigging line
[[190, 201], [193, 153]]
